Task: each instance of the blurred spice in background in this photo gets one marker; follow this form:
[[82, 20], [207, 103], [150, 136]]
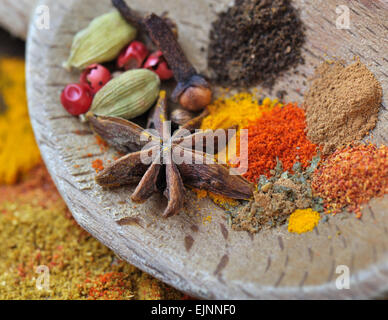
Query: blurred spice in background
[[36, 228], [18, 150]]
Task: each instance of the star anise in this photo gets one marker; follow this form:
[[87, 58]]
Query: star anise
[[176, 159]]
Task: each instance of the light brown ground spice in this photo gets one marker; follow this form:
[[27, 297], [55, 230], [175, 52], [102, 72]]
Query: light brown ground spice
[[342, 104]]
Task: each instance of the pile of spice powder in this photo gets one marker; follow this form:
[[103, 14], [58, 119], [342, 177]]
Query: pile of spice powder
[[342, 104], [36, 229], [276, 198], [18, 150], [351, 176], [278, 134], [303, 220], [238, 109], [225, 112], [255, 41]]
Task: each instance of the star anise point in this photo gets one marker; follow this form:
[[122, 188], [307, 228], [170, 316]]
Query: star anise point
[[198, 169]]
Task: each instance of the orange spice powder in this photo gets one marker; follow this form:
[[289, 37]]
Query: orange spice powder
[[278, 134], [98, 165]]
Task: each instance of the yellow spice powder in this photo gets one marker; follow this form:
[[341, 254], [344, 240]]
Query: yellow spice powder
[[238, 110], [303, 220], [79, 267], [18, 150], [218, 199]]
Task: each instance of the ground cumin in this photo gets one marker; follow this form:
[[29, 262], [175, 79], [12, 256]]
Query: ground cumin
[[342, 104]]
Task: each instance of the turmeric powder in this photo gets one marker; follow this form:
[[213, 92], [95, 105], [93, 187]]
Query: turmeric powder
[[220, 200], [18, 150], [303, 220], [238, 110]]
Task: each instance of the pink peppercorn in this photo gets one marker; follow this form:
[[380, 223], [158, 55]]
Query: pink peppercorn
[[95, 77], [76, 99]]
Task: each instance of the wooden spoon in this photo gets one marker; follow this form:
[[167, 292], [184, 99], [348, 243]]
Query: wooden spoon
[[196, 251]]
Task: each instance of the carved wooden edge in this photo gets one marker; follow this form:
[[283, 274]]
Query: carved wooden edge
[[371, 282]]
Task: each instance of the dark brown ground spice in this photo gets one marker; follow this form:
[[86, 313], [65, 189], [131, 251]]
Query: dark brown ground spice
[[254, 41]]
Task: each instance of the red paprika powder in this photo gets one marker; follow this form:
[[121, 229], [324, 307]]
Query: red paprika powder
[[278, 134]]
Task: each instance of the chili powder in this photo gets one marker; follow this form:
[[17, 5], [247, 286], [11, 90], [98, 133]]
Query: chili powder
[[278, 134]]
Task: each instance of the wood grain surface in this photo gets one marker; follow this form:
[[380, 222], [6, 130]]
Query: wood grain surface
[[15, 16], [208, 259]]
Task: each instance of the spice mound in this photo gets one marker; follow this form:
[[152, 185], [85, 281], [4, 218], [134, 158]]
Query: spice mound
[[239, 109], [278, 134], [350, 96], [351, 177], [254, 41], [277, 197], [303, 220]]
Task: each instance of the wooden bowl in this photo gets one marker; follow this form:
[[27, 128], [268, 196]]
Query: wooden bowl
[[209, 260]]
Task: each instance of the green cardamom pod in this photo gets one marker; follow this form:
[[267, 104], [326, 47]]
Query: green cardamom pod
[[101, 41], [129, 95]]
